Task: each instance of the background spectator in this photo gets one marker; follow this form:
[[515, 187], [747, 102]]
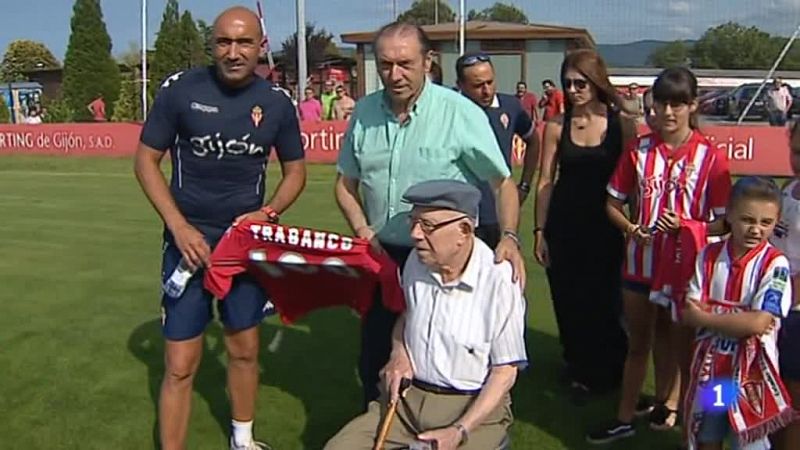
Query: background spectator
[[552, 102], [528, 100], [343, 106], [310, 108]]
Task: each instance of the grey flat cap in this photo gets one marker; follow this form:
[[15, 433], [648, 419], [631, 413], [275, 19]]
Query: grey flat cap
[[445, 194]]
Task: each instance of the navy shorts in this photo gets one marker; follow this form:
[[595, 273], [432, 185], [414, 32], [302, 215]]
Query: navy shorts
[[186, 317], [789, 347], [636, 286], [717, 428]]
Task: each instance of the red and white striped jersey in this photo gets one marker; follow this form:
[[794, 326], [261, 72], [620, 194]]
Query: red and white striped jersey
[[759, 280], [693, 181]]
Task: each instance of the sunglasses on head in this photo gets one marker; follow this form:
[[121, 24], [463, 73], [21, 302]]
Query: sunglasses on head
[[579, 84], [471, 60]]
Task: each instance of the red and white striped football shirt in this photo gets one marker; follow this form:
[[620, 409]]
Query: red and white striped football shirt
[[693, 181], [760, 279]]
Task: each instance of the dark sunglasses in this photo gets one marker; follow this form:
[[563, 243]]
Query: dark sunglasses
[[577, 82], [471, 60]]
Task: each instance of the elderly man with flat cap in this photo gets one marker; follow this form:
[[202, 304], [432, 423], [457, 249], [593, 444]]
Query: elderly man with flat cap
[[219, 124], [461, 339]]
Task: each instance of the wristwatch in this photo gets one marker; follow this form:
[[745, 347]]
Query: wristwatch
[[524, 187], [272, 215], [513, 236]]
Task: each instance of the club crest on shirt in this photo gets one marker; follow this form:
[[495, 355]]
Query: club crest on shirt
[[504, 120], [257, 114]]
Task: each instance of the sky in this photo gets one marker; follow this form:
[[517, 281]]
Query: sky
[[609, 21]]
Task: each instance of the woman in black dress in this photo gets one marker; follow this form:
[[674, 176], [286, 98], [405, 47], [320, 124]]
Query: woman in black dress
[[575, 241]]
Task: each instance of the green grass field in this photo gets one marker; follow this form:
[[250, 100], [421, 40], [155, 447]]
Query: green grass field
[[80, 342]]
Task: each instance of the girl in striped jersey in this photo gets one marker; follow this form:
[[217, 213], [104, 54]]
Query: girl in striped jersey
[[672, 175], [787, 239]]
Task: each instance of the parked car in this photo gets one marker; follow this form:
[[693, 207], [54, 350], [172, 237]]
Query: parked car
[[714, 103], [739, 98], [794, 111]]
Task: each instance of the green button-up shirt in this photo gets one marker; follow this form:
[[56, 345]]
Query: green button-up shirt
[[446, 136]]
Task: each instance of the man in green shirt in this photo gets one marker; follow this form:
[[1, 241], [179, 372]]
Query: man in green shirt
[[327, 98], [409, 132]]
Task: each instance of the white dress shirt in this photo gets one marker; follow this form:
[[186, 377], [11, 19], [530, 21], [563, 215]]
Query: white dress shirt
[[455, 332]]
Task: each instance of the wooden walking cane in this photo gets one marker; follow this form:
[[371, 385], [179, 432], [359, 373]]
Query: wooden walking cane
[[390, 412]]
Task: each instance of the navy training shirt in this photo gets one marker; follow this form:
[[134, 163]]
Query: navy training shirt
[[219, 140], [507, 119]]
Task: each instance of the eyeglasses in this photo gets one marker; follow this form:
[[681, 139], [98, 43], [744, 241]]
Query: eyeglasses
[[580, 84], [429, 227], [471, 60]]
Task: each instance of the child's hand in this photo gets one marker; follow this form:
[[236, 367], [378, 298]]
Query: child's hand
[[668, 222], [639, 234], [772, 325]]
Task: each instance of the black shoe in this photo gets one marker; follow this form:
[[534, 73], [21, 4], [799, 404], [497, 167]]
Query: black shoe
[[644, 406], [617, 430], [662, 418]]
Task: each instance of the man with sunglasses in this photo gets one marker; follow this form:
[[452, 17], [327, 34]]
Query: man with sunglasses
[[460, 340], [413, 131], [344, 104], [552, 102], [476, 79]]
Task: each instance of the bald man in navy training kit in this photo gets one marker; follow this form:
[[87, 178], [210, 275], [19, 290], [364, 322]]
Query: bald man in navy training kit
[[219, 124]]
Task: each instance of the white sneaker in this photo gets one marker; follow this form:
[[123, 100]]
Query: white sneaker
[[253, 445]]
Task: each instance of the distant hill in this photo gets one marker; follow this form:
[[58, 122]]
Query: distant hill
[[633, 54]]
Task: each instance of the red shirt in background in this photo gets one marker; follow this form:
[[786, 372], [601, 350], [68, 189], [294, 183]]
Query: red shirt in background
[[98, 109], [553, 104], [529, 104]]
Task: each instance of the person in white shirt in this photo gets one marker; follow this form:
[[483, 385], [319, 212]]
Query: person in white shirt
[[35, 118], [779, 101], [460, 340]]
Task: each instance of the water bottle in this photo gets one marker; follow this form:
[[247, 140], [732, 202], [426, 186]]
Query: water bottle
[[176, 283]]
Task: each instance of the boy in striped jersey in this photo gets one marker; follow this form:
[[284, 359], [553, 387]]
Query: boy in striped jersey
[[739, 293], [668, 177]]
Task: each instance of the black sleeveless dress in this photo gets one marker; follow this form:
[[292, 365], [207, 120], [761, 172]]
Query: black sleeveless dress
[[586, 253]]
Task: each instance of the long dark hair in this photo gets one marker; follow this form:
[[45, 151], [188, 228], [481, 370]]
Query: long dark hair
[[591, 65], [677, 85]]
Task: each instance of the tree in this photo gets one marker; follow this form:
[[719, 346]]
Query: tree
[[89, 68], [129, 105], [792, 59], [132, 57], [57, 111], [675, 53], [423, 12], [167, 56], [24, 55], [193, 52], [499, 12], [734, 46], [319, 45], [5, 114], [206, 33]]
